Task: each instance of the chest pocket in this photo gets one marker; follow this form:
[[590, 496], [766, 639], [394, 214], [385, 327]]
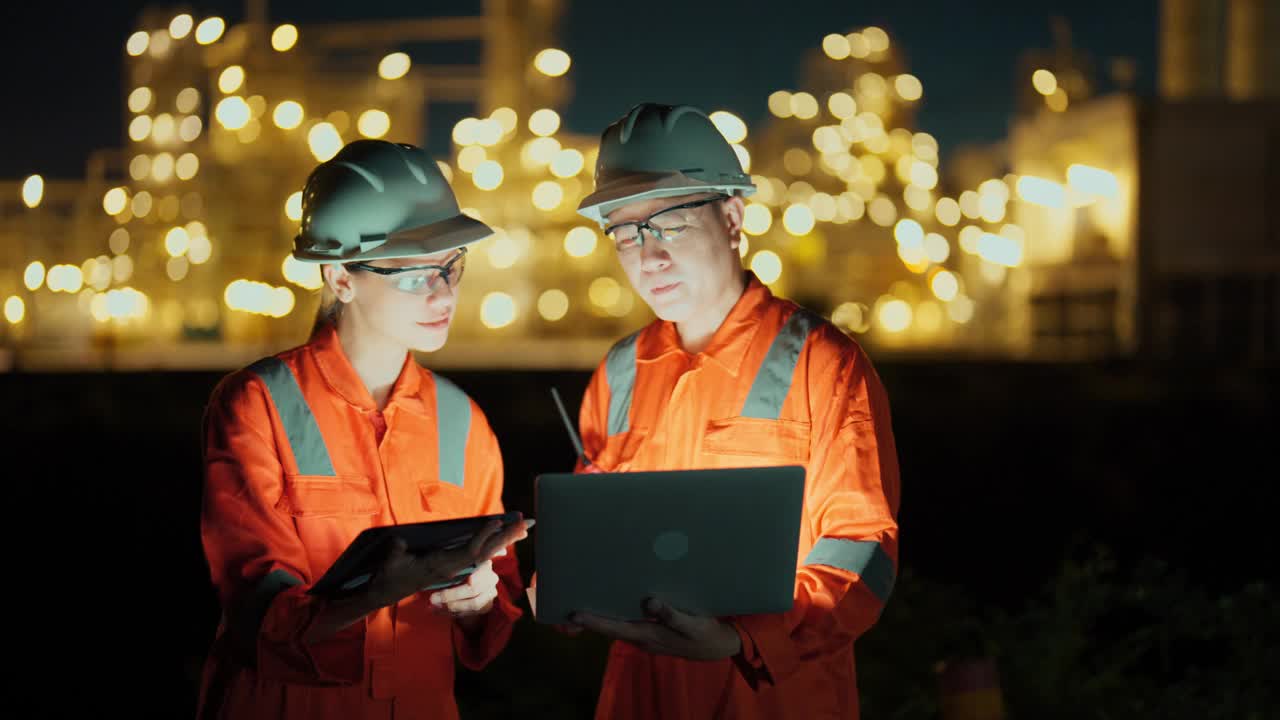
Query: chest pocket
[[316, 496], [755, 442]]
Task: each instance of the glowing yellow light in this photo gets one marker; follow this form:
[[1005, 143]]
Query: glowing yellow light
[[823, 207], [908, 87], [114, 200], [936, 248], [487, 175], [324, 141], [999, 250], [553, 305], [163, 128], [140, 99], [877, 39], [923, 175], [547, 195], [552, 62], [65, 278], [873, 167], [960, 309], [1093, 181], [142, 204], [137, 43], [894, 315], [503, 250], [186, 166], [177, 242], [850, 207], [567, 163], [33, 276], [233, 112], [32, 190], [969, 237], [209, 30], [828, 139], [140, 128], [189, 128], [287, 115], [464, 132], [882, 211], [284, 37], [1042, 192], [767, 266], [947, 211], [497, 309], [851, 316], [1044, 81], [798, 220], [231, 78], [804, 105], [744, 157], [842, 105], [159, 43], [945, 285], [797, 161], [604, 292], [544, 122], [293, 206], [470, 157], [14, 309], [394, 66], [909, 232], [118, 241], [858, 46], [303, 274], [580, 242], [180, 26], [187, 100], [445, 170], [507, 118], [488, 132], [373, 123], [917, 198], [835, 46], [873, 86], [201, 249], [780, 103], [176, 268], [121, 268], [730, 126], [756, 219], [970, 204], [1057, 102]]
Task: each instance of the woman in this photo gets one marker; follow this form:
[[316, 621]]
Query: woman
[[306, 449]]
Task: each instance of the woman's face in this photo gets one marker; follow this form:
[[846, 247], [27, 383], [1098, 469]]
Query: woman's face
[[410, 301]]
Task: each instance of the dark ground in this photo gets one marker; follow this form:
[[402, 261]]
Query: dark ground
[[1006, 468]]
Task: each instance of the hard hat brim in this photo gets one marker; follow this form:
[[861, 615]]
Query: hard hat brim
[[448, 234], [635, 187]]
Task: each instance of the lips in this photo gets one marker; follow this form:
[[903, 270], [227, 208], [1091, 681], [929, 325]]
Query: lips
[[436, 325], [664, 289]]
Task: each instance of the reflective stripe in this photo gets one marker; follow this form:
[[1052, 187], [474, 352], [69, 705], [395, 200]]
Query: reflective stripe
[[247, 622], [864, 557], [309, 450], [453, 426], [620, 371], [773, 379]]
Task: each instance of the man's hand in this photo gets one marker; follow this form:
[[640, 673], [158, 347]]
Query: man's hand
[[473, 597], [671, 632]]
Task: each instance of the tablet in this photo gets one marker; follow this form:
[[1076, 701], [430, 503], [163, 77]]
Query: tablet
[[357, 564]]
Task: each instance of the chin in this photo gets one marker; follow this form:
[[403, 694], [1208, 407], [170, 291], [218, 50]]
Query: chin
[[673, 311], [428, 341]]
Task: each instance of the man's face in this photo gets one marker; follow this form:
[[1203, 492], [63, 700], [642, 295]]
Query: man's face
[[694, 263]]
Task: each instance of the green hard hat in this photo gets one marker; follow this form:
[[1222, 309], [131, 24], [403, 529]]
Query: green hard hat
[[376, 200], [662, 151]]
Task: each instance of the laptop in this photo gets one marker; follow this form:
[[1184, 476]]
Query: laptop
[[709, 542]]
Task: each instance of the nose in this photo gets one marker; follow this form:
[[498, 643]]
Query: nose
[[653, 256], [444, 299]]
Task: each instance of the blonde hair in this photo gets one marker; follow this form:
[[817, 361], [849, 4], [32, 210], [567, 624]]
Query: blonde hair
[[330, 306]]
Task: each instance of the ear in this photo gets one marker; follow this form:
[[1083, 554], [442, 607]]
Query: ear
[[338, 278], [731, 212]]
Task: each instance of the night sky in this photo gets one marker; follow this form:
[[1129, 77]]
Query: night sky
[[62, 60]]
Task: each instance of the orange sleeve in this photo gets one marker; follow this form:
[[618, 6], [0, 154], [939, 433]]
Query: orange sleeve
[[256, 559], [851, 506], [479, 649], [593, 417]]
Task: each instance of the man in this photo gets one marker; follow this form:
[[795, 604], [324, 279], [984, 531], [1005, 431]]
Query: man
[[730, 376]]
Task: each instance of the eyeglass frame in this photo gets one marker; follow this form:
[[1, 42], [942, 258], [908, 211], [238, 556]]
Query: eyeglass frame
[[442, 271], [642, 225]]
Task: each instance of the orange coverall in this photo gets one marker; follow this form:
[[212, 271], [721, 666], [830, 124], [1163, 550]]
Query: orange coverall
[[297, 462], [776, 386]]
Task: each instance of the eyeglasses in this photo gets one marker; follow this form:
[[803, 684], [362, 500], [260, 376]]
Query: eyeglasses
[[420, 279], [627, 236]]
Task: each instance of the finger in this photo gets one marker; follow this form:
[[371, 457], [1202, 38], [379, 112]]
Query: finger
[[479, 540], [500, 541], [617, 629], [473, 605], [442, 598], [681, 622]]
